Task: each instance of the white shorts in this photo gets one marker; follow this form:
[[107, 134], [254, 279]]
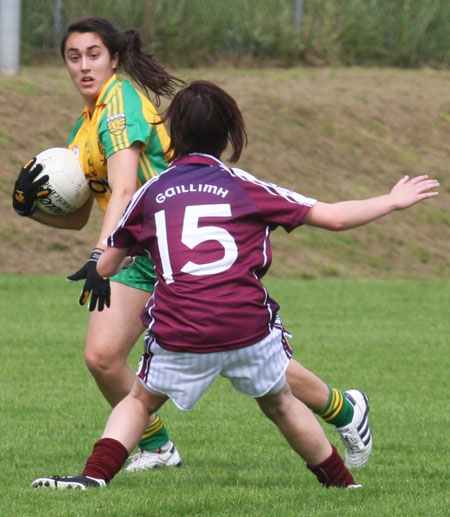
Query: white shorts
[[255, 371]]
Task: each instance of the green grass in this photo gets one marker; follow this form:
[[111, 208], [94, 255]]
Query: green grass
[[389, 338]]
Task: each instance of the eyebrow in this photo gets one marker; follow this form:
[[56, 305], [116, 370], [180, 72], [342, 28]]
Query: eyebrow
[[77, 50]]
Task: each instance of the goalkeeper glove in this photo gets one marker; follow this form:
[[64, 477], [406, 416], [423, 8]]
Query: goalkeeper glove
[[95, 286], [27, 191]]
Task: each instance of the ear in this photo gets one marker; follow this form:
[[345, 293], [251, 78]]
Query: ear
[[115, 61]]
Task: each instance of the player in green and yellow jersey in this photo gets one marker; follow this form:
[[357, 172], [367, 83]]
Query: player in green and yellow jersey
[[120, 146]]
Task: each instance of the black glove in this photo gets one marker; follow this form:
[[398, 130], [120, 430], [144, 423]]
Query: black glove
[[27, 191], [100, 288]]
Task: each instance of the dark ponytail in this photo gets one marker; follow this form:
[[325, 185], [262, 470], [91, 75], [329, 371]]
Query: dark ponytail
[[140, 66], [146, 72]]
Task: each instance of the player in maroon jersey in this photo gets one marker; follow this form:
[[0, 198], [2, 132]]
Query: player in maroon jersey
[[206, 227]]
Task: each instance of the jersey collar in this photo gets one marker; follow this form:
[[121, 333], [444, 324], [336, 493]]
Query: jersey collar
[[104, 94], [198, 159]]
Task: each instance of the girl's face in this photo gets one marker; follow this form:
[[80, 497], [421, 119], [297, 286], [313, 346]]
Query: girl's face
[[89, 63]]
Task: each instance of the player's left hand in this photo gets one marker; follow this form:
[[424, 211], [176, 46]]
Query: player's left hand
[[95, 286], [409, 191], [27, 190]]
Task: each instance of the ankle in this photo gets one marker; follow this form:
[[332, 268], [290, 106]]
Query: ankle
[[164, 448], [332, 471]]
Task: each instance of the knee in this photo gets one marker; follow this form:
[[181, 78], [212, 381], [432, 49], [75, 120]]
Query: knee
[[149, 400], [276, 412], [278, 406], [99, 361]]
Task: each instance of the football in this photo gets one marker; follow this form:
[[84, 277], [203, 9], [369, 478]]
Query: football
[[69, 188]]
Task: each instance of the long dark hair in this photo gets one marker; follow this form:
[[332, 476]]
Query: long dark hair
[[203, 118], [141, 67]]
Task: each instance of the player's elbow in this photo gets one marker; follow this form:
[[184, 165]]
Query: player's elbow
[[80, 217], [122, 194], [105, 268], [332, 224], [327, 216], [339, 225], [79, 225]]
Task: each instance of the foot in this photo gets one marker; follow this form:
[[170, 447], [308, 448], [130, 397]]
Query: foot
[[356, 435], [67, 483], [145, 460]]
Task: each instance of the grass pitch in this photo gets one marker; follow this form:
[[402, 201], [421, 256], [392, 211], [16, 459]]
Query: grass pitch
[[388, 338]]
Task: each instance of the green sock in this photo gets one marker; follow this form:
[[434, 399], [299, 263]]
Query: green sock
[[155, 436], [338, 410]]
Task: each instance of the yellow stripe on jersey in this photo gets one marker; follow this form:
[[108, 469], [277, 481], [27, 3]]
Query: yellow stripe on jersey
[[117, 122], [146, 167]]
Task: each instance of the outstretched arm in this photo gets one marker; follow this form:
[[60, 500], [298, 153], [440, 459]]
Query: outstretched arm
[[350, 214]]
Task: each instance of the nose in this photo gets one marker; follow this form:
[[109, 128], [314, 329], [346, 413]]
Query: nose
[[84, 63]]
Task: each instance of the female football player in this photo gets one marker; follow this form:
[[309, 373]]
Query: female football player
[[120, 146], [207, 228]]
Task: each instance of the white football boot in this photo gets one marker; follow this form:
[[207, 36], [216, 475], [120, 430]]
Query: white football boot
[[356, 435], [167, 456]]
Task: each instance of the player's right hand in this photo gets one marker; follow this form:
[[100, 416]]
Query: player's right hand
[[95, 286], [27, 190]]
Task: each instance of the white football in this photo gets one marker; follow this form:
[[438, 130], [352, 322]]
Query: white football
[[67, 182]]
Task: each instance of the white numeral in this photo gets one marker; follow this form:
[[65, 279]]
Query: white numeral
[[163, 245], [193, 235]]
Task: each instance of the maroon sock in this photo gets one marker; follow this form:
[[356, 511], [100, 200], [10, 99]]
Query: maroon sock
[[106, 459], [332, 471]]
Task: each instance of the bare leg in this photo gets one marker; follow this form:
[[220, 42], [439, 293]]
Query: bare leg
[[110, 337], [297, 424], [129, 418], [306, 386]]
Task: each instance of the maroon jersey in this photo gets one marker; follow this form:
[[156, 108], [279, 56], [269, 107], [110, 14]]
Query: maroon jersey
[[206, 228]]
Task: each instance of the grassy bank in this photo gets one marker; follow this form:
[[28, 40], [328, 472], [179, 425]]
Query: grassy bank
[[330, 133]]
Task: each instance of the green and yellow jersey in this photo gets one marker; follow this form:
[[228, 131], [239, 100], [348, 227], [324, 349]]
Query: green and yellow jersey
[[122, 116]]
